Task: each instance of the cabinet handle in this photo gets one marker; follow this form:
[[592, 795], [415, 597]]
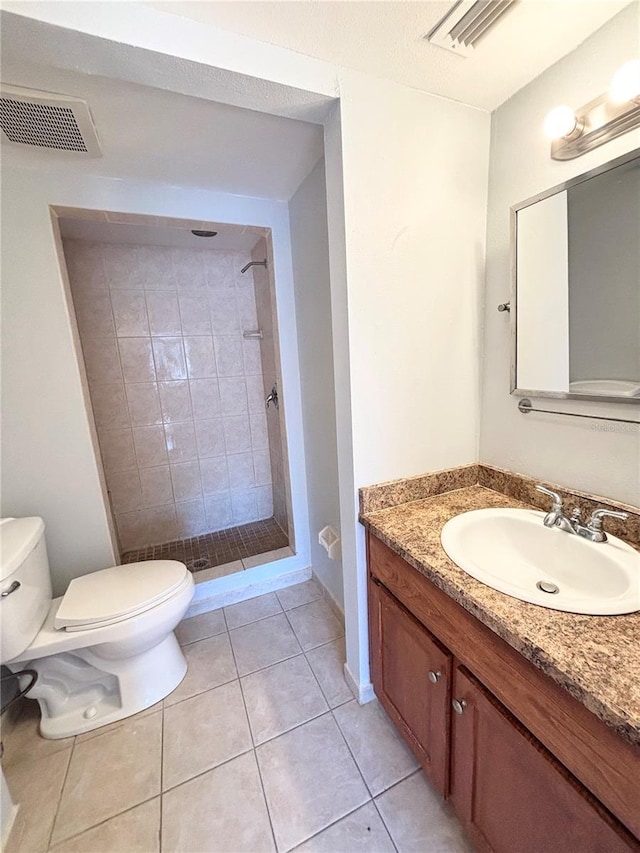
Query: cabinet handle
[[459, 705], [434, 677]]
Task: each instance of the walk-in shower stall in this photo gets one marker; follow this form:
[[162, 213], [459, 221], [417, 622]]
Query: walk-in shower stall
[[177, 332]]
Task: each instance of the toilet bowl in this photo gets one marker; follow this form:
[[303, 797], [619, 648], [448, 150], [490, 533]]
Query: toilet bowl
[[106, 648]]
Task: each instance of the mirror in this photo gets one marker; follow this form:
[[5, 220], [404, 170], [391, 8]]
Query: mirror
[[575, 303]]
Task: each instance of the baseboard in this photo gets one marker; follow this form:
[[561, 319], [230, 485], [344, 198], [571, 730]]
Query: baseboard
[[335, 605], [362, 692], [244, 591]]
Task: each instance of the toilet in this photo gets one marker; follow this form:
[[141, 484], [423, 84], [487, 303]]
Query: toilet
[[106, 648]]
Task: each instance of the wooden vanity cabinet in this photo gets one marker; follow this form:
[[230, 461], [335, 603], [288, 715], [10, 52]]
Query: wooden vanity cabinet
[[494, 734], [509, 792], [411, 673]]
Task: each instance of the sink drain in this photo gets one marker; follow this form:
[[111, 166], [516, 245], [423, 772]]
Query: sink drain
[[200, 564], [545, 586]]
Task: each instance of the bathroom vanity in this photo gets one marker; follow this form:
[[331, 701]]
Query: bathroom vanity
[[526, 719]]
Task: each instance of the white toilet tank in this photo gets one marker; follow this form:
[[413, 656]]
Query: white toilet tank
[[25, 584]]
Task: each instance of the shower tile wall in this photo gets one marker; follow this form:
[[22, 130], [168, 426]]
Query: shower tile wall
[[177, 393], [267, 320]]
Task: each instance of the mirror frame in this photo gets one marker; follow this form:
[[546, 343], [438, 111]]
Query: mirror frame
[[513, 313]]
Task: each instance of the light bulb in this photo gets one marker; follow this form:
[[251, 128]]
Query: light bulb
[[560, 123], [625, 85]]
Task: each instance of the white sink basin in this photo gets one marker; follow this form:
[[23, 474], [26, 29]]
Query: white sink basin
[[512, 551]]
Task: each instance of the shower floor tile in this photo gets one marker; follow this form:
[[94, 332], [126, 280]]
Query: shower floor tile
[[215, 549]]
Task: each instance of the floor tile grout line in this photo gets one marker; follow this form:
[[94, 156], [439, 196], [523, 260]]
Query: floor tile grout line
[[255, 757], [128, 809], [244, 703], [62, 787], [295, 633], [293, 728], [200, 639], [259, 619], [104, 820], [208, 770], [382, 793], [384, 790], [226, 624], [295, 606], [311, 648], [397, 782], [286, 613], [253, 672], [351, 753], [199, 693], [324, 695], [253, 621], [328, 826], [381, 816], [327, 710], [266, 801]]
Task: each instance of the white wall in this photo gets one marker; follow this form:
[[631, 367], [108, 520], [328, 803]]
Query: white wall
[[415, 194], [46, 430], [310, 249], [591, 455]]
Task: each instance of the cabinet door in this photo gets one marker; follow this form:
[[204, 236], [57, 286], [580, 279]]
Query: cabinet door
[[510, 793], [411, 675]]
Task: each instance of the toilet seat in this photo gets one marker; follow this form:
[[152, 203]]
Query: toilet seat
[[113, 595]]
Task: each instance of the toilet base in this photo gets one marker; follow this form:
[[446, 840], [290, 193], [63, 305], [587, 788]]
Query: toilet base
[[80, 691]]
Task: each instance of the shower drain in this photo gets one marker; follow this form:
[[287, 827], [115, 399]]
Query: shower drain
[[200, 563]]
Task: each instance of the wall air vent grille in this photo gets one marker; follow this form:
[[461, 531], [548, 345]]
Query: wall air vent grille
[[466, 23], [44, 120]]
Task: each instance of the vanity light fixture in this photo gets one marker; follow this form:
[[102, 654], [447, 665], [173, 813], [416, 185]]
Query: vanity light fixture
[[573, 133], [625, 83], [562, 123]]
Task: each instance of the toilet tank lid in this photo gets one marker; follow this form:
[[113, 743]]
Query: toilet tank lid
[[18, 537], [118, 592]]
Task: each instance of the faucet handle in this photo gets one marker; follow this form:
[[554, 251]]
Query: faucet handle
[[595, 522], [599, 514], [557, 500]]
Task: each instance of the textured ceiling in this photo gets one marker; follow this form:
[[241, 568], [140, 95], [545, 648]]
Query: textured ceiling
[[385, 39], [151, 134]]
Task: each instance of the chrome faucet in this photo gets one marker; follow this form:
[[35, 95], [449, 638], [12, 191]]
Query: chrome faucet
[[592, 530]]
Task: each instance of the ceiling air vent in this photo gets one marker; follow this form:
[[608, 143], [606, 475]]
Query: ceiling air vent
[[46, 120], [466, 23]]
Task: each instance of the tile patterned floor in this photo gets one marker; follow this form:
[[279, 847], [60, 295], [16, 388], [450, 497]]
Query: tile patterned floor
[[261, 748], [216, 549]]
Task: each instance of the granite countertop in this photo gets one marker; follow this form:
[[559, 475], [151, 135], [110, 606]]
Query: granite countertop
[[595, 658]]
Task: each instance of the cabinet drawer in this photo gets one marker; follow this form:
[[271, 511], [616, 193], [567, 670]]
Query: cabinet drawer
[[411, 673], [510, 793]]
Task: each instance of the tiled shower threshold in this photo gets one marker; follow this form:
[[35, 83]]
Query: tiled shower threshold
[[221, 553]]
